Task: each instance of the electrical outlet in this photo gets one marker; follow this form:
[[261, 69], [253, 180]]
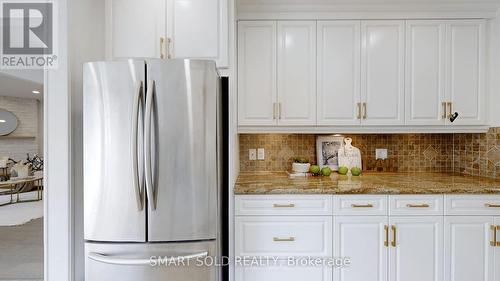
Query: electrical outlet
[[260, 154], [252, 154], [381, 153]]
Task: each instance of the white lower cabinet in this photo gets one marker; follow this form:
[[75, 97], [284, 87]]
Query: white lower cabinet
[[386, 238], [468, 252], [416, 250], [361, 238]]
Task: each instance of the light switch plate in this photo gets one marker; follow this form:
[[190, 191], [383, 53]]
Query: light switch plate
[[260, 154], [252, 154], [381, 153]]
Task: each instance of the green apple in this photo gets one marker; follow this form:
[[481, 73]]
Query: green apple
[[343, 170], [315, 169], [326, 171], [355, 171]]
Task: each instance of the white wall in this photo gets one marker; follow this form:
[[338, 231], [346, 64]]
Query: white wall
[[26, 111], [86, 43]]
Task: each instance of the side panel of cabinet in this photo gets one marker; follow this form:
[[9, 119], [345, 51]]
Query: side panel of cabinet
[[297, 72], [362, 239], [338, 72], [382, 72], [418, 251], [134, 28], [198, 29], [497, 251], [425, 69], [256, 72], [465, 71], [468, 253]]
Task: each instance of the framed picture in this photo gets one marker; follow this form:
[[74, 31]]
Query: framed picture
[[327, 148]]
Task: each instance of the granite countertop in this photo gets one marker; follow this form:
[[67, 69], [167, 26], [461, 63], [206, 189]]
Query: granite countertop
[[367, 183]]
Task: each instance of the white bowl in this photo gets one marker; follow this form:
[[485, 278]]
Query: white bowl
[[301, 167]]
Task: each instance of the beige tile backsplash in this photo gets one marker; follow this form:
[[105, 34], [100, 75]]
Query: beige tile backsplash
[[475, 154]]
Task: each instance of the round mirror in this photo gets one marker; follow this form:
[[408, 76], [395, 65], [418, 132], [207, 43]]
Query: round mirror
[[8, 122]]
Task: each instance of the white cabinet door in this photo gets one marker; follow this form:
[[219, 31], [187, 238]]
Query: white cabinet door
[[134, 28], [382, 72], [296, 73], [468, 253], [362, 239], [338, 72], [425, 72], [497, 249], [465, 85], [198, 29], [256, 73], [282, 272], [417, 254]]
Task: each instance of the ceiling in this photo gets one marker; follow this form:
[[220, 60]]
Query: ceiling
[[21, 83]]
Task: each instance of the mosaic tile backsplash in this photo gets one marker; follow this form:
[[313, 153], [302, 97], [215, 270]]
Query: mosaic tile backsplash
[[474, 154]]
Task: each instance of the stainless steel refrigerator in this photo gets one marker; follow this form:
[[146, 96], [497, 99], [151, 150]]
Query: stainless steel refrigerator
[[152, 144]]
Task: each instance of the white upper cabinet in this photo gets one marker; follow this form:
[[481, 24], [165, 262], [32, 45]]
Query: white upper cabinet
[[382, 72], [425, 69], [198, 29], [134, 28], [338, 76], [167, 29], [296, 73], [416, 252], [465, 84], [257, 73]]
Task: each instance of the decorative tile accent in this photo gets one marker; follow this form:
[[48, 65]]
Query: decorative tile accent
[[493, 155], [430, 153]]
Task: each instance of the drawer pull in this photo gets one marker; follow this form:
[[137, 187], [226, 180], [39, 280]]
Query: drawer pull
[[417, 205], [394, 235], [282, 239], [362, 206], [386, 242], [283, 205], [494, 242], [492, 205]]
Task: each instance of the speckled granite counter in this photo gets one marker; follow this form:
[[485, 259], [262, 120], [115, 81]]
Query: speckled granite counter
[[367, 183]]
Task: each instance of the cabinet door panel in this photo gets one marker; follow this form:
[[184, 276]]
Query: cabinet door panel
[[256, 72], [362, 239], [497, 252], [425, 61], [338, 72], [283, 272], [134, 28], [198, 29], [297, 72], [382, 71], [465, 74], [418, 254], [468, 253]]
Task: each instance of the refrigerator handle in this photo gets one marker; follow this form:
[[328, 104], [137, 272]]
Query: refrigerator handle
[[147, 143], [146, 260], [138, 186]]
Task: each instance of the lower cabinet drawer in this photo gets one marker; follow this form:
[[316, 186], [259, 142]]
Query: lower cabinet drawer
[[283, 272], [420, 205], [471, 205], [283, 236]]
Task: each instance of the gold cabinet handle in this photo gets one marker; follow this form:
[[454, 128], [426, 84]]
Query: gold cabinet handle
[[279, 110], [444, 109], [417, 205], [362, 206], [386, 229], [274, 110], [359, 110], [284, 239], [394, 235], [284, 205], [494, 242], [162, 47], [488, 205], [365, 110], [450, 108]]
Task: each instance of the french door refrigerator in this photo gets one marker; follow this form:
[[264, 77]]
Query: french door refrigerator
[[152, 136]]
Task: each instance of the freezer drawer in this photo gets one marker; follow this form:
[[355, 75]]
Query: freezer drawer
[[133, 261]]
